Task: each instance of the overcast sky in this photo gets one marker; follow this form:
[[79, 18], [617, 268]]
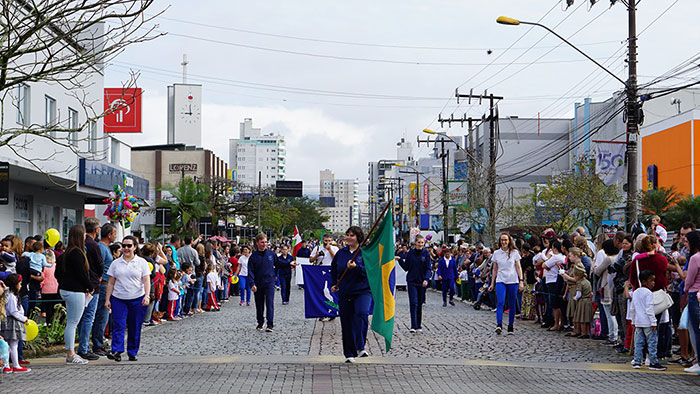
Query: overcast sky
[[343, 82]]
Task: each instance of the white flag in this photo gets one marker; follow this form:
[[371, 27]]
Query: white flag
[[610, 162]]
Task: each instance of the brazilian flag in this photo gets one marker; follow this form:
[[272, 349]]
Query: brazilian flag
[[378, 256]]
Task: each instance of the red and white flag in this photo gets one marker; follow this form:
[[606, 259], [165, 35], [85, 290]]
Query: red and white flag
[[296, 242]]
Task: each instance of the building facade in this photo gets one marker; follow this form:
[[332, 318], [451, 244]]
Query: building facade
[[257, 156], [340, 201]]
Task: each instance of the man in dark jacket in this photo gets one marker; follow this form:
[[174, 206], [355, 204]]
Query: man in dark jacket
[[94, 256], [261, 274], [416, 263]]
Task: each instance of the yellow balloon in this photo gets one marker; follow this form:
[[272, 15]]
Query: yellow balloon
[[52, 237], [150, 267], [32, 329], [234, 280]]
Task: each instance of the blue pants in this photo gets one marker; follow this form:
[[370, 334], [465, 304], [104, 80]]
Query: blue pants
[[604, 330], [645, 336], [197, 296], [189, 299], [285, 283], [551, 292], [354, 322], [416, 298], [448, 284], [511, 291], [101, 320], [85, 325], [694, 318], [75, 304], [265, 298], [127, 314], [244, 286]]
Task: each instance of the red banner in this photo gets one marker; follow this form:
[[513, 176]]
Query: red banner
[[122, 110], [426, 195]]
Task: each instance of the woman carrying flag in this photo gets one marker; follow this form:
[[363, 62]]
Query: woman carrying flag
[[354, 298]]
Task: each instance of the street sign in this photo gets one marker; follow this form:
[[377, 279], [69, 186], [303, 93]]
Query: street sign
[[288, 189], [163, 216]]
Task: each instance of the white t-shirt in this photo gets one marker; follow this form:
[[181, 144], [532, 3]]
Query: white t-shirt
[[327, 259], [551, 275], [212, 280], [173, 291], [599, 257], [128, 283], [506, 266], [243, 263]]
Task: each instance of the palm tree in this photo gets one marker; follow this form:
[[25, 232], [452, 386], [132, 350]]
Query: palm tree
[[188, 202], [659, 201], [686, 210]]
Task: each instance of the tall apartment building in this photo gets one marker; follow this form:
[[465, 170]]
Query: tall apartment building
[[255, 154], [340, 199]]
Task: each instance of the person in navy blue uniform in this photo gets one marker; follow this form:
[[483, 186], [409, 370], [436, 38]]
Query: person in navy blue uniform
[[284, 273], [354, 297], [447, 273], [303, 251], [261, 274], [416, 263]]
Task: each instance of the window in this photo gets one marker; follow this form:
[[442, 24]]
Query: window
[[114, 152], [23, 105], [49, 111], [92, 138], [73, 126]]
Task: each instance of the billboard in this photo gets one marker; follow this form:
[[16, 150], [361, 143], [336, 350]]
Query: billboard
[[122, 110], [458, 194]]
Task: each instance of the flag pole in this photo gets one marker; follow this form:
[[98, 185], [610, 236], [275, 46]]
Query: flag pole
[[366, 241]]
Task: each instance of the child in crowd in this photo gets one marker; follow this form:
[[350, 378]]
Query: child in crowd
[[12, 326], [464, 278], [658, 228], [644, 320], [212, 283], [174, 277], [6, 255], [584, 306], [37, 263], [159, 285], [186, 283]]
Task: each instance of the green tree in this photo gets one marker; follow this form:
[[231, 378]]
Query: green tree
[[659, 201], [686, 209], [281, 214], [188, 202]]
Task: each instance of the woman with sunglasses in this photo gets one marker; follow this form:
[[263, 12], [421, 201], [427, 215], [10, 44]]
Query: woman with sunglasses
[[128, 292]]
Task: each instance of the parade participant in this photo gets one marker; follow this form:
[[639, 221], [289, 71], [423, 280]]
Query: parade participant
[[349, 280], [72, 272], [447, 274], [94, 256], [128, 293], [417, 267], [242, 273], [507, 278], [284, 273], [323, 254], [304, 250], [261, 273]]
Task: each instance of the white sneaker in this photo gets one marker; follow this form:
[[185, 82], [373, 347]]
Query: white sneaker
[[694, 368], [76, 360], [363, 353], [420, 330], [647, 362], [350, 360], [412, 330]]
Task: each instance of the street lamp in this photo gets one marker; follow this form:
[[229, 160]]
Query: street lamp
[[633, 109]]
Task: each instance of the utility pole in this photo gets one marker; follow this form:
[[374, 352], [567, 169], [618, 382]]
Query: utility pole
[[633, 118], [259, 197], [443, 156]]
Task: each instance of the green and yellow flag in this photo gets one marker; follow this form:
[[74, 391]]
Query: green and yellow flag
[[379, 261]]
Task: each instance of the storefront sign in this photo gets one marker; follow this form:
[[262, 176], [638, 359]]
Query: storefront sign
[[103, 177], [176, 168], [122, 110]]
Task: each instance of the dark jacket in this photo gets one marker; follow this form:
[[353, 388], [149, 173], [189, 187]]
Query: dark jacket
[[261, 268], [94, 255], [22, 268], [446, 272], [355, 281], [304, 252], [285, 265], [417, 266], [71, 273]]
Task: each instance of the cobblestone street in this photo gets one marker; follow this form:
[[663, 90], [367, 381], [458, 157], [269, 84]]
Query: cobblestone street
[[457, 352]]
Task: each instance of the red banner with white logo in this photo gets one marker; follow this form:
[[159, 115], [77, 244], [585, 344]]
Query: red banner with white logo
[[122, 110], [426, 195]]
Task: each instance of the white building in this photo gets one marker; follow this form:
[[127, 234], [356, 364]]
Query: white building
[[48, 184], [340, 199], [255, 154]]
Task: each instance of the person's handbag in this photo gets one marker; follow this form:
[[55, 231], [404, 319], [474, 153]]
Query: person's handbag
[[683, 324], [662, 300]]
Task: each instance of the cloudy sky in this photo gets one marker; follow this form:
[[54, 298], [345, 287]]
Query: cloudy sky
[[345, 81]]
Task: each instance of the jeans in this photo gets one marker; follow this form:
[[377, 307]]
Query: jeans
[[551, 289], [416, 298], [127, 313], [604, 317], [189, 299], [244, 286], [265, 298], [75, 304], [642, 336], [33, 296], [285, 283], [694, 318], [101, 319], [354, 322], [448, 285], [85, 325], [198, 284], [612, 322], [509, 290]]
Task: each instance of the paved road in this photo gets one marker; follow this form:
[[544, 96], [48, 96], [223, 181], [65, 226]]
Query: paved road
[[457, 352]]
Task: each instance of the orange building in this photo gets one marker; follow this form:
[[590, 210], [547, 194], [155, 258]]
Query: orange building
[[670, 153]]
